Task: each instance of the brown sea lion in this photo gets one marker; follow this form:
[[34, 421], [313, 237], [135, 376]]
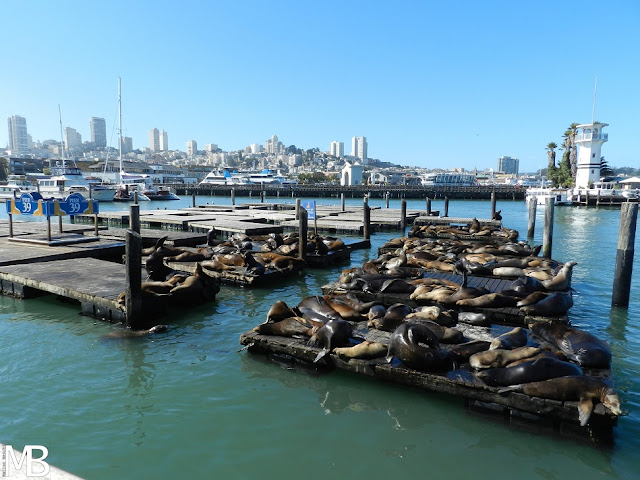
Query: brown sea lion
[[364, 349], [344, 310], [288, 327], [500, 358], [462, 351], [495, 300], [508, 341], [393, 317], [216, 265], [197, 287], [128, 333], [562, 280], [555, 305], [581, 388], [279, 311]]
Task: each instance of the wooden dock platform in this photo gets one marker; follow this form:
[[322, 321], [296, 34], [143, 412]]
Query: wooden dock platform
[[437, 220]]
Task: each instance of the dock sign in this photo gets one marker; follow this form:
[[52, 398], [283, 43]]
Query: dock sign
[[74, 204], [33, 204], [28, 204], [310, 207]]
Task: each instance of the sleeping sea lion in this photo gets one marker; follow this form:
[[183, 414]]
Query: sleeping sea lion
[[510, 340], [500, 358], [526, 372], [364, 349], [577, 345], [555, 305]]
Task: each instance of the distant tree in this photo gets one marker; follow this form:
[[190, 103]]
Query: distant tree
[[551, 166], [573, 153], [291, 150], [605, 169]]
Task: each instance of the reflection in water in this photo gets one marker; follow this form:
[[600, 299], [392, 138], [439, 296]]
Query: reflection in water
[[618, 319]]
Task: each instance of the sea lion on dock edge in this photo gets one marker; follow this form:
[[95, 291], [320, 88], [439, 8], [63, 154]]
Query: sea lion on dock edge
[[287, 327], [364, 349], [581, 388], [510, 340], [317, 304], [490, 300], [393, 317], [279, 311], [555, 305], [527, 372], [500, 358], [444, 334], [404, 345], [334, 333], [578, 345], [562, 280], [475, 318]]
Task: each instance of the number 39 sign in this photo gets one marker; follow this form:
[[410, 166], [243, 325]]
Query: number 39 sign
[[34, 204]]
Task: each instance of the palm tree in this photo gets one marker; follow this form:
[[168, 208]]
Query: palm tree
[[551, 166], [573, 160]]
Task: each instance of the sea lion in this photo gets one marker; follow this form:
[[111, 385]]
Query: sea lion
[[462, 351], [510, 340], [424, 313], [562, 280], [500, 358], [279, 311], [581, 388], [288, 327], [376, 311], [353, 302], [494, 300], [577, 345], [364, 349], [527, 372], [252, 265], [216, 265], [396, 285], [344, 310], [531, 299], [186, 256], [474, 227], [555, 305], [334, 333], [444, 334], [526, 284], [404, 345], [317, 304], [477, 319], [128, 333], [507, 272], [465, 292], [393, 317], [156, 268], [196, 288]]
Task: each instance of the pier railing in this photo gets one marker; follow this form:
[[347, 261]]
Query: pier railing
[[480, 192]]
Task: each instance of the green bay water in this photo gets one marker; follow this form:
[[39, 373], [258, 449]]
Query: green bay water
[[188, 404]]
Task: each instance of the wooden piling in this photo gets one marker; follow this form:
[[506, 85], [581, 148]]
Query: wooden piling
[[366, 224], [547, 238], [624, 256], [302, 232], [60, 223], [135, 197], [193, 199], [342, 209], [261, 196], [403, 215], [531, 227], [133, 281], [493, 205], [446, 206], [298, 208], [428, 206], [233, 196], [134, 218]]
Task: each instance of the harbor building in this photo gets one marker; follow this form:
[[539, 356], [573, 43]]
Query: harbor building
[[18, 137], [359, 148], [98, 132], [336, 149], [508, 165], [589, 140], [351, 174], [154, 140]]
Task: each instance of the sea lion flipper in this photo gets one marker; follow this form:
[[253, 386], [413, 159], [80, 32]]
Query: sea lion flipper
[[161, 241], [321, 355], [505, 390], [585, 407]]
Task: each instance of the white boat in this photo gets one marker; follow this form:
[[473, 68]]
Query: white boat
[[562, 196], [65, 180], [217, 177], [15, 186], [266, 177], [143, 184], [449, 179]]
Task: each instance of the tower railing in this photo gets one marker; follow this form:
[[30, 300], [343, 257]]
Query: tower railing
[[585, 137]]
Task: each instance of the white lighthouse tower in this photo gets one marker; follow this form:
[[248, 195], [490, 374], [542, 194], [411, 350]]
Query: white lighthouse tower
[[590, 139]]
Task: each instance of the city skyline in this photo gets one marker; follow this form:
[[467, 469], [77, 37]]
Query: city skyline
[[428, 84]]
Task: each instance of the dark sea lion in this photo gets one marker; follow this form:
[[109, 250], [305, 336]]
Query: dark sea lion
[[318, 246], [393, 317], [288, 327], [562, 280], [405, 346], [156, 268], [196, 288], [371, 268], [128, 333], [279, 311], [526, 284], [252, 265], [376, 311], [581, 388], [527, 372], [531, 299], [577, 345], [477, 319], [364, 349], [444, 334], [158, 245], [462, 351], [555, 305], [512, 339], [334, 333], [396, 285], [318, 304], [501, 358], [465, 292]]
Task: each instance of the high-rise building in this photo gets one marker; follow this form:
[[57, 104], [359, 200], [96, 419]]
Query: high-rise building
[[273, 145], [508, 165], [336, 149], [211, 147], [98, 132], [359, 147], [18, 137], [192, 148], [164, 141], [72, 138], [127, 145], [154, 140]]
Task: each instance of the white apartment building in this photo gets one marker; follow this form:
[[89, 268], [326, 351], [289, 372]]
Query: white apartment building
[[210, 147], [18, 137], [98, 132], [273, 145], [336, 149], [192, 148], [72, 138], [359, 148], [164, 141], [154, 140]]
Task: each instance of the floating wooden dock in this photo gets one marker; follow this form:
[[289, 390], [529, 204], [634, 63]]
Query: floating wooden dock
[[239, 276], [460, 382]]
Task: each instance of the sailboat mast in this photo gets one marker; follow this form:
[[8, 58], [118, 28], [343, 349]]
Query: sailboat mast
[[61, 136], [120, 124], [593, 109]]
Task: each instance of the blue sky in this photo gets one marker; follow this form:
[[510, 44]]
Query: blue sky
[[433, 84]]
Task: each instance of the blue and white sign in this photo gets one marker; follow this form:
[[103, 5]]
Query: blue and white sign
[[28, 204], [310, 207], [75, 204], [33, 204]]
